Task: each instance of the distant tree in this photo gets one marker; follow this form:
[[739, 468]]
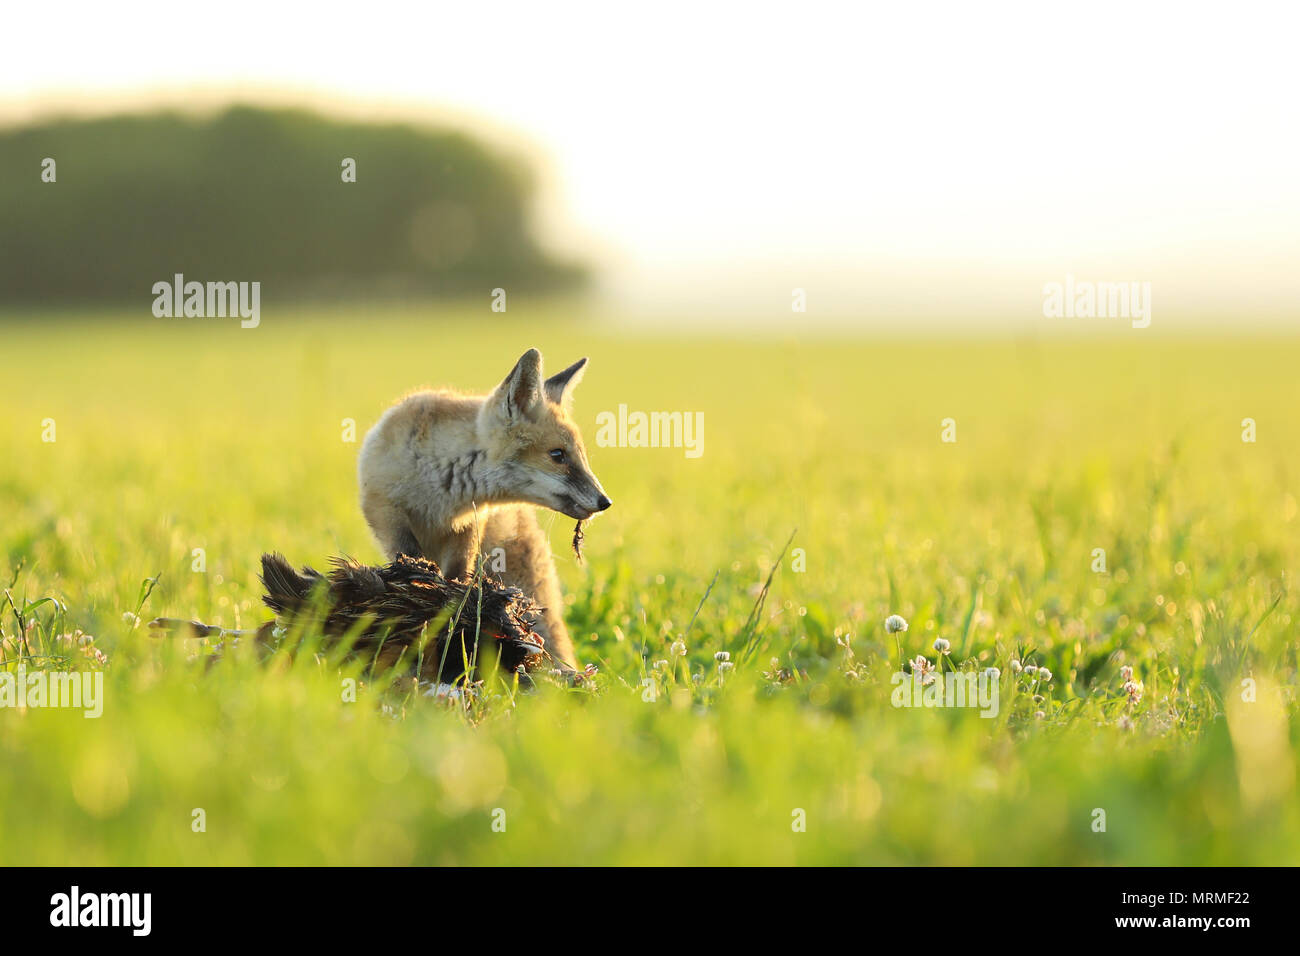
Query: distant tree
[[259, 194]]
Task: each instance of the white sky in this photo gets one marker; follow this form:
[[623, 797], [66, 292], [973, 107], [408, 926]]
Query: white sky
[[900, 158]]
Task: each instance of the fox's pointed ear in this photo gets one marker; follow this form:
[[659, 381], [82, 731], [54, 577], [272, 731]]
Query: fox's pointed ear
[[560, 386], [521, 392]]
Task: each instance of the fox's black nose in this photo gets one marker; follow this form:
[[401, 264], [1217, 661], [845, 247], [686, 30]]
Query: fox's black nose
[[602, 503]]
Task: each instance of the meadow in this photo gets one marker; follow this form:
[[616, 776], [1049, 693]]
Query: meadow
[[176, 435]]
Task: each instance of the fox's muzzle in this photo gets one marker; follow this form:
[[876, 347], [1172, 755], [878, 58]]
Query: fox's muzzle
[[586, 499], [571, 508]]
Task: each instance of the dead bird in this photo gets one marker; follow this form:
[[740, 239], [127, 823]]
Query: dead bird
[[389, 610]]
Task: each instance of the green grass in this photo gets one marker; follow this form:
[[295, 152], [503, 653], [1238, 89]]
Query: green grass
[[181, 434]]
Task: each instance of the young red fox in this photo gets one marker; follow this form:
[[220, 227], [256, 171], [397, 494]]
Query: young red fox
[[446, 476]]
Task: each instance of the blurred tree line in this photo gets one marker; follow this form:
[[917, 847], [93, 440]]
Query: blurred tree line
[[259, 195]]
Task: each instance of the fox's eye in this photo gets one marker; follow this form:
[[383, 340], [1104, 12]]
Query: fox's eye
[[557, 455]]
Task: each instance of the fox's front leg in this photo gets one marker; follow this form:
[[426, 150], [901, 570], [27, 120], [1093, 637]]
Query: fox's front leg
[[455, 552], [392, 527]]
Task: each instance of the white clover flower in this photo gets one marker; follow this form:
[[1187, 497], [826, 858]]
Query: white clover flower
[[724, 666], [1044, 674], [661, 665], [895, 623], [1039, 715], [722, 656], [1126, 673], [1031, 670], [1015, 666], [130, 618], [678, 649], [941, 645], [923, 669]]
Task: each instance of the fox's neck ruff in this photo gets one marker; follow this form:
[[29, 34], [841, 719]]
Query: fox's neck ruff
[[468, 483], [461, 478]]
